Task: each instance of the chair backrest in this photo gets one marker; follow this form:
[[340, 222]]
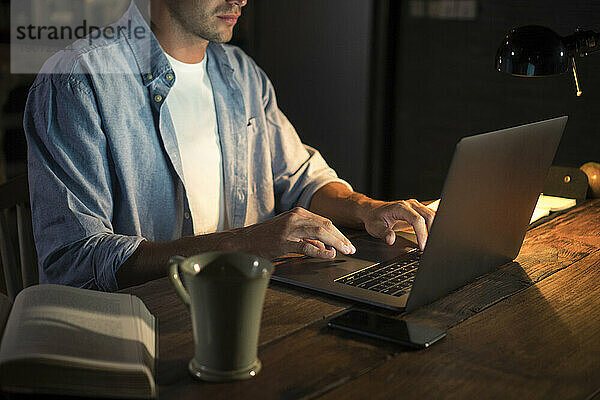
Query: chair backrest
[[19, 260]]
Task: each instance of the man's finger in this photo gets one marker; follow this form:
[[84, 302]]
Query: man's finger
[[405, 212], [324, 235], [381, 229], [390, 237], [424, 211], [317, 243], [314, 226], [416, 214], [329, 226], [419, 225], [308, 248]]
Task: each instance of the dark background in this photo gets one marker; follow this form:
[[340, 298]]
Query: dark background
[[384, 90]]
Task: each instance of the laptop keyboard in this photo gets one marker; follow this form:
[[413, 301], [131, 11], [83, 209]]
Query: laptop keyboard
[[394, 278]]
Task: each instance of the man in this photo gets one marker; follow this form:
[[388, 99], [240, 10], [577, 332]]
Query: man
[[181, 151]]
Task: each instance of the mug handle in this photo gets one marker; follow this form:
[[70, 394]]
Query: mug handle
[[176, 280]]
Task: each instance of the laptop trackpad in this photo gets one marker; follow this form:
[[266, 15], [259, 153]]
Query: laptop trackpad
[[376, 250], [369, 250]]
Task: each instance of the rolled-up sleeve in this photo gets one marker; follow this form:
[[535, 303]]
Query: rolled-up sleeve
[[298, 170], [70, 182]]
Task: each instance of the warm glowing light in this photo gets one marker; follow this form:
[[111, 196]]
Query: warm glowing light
[[252, 373], [255, 263], [579, 92], [197, 267]]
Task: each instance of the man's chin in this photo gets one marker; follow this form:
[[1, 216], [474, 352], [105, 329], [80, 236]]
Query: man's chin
[[226, 37], [220, 38]]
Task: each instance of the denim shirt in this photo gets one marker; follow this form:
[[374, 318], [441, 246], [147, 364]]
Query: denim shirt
[[103, 161]]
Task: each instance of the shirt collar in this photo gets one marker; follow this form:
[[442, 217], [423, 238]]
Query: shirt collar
[[148, 52], [146, 49], [218, 54]]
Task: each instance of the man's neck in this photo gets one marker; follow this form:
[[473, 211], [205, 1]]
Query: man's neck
[[175, 41]]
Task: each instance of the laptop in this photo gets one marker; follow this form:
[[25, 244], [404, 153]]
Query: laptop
[[487, 201]]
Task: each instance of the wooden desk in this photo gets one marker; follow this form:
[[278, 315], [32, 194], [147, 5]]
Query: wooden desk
[[531, 329]]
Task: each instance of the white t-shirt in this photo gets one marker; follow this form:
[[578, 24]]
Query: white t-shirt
[[192, 108]]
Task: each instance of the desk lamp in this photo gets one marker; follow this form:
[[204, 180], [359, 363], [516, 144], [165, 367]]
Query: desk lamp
[[535, 50]]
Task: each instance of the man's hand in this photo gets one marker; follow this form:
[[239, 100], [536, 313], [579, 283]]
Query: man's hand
[[295, 231], [380, 218], [351, 209]]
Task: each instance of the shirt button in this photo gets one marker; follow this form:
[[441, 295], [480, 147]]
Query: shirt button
[[158, 98], [169, 76], [186, 215], [148, 76]]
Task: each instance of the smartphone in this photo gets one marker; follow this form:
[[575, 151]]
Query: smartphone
[[385, 328]]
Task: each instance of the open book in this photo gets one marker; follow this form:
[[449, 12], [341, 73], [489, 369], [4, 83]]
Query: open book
[[545, 205], [68, 341]]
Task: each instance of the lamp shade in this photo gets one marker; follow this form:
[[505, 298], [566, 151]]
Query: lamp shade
[[532, 50]]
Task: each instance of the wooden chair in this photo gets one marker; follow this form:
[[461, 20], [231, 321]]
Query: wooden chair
[[19, 261]]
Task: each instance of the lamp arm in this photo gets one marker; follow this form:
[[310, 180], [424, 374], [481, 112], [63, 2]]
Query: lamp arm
[[582, 43]]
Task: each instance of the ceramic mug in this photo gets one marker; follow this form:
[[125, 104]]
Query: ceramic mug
[[224, 293]]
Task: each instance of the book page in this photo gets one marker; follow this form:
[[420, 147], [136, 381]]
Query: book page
[[553, 203], [544, 206], [538, 213], [71, 324], [147, 333], [434, 205]]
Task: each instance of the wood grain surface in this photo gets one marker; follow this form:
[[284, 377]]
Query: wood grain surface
[[528, 329], [540, 343]]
